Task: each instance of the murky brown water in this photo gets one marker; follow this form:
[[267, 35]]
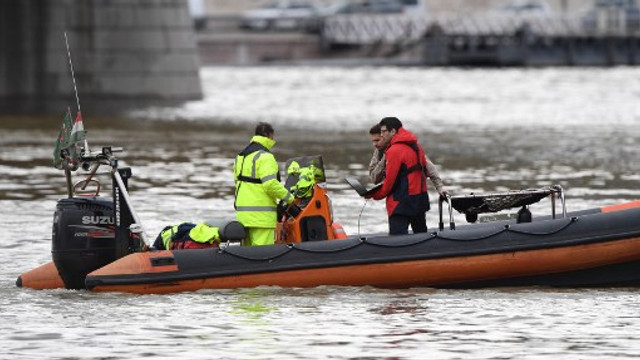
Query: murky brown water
[[488, 130]]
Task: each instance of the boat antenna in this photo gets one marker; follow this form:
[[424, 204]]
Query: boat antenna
[[73, 75], [75, 87], [360, 216]]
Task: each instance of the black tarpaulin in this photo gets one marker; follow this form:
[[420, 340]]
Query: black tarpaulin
[[485, 203]]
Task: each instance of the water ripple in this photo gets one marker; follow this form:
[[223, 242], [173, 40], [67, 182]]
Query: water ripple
[[536, 127]]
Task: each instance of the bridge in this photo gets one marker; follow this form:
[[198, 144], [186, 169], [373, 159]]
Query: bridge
[[605, 37], [124, 52], [494, 39]]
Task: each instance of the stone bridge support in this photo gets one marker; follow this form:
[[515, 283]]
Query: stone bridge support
[[125, 53]]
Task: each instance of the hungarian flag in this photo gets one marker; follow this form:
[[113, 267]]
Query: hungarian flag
[[69, 145]]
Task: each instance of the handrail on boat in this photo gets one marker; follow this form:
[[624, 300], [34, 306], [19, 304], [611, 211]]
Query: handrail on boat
[[91, 161], [473, 204]]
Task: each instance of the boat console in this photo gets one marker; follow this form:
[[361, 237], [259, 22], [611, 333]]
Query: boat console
[[312, 219]]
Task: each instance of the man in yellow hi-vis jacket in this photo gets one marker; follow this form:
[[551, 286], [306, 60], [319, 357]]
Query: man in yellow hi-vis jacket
[[258, 188]]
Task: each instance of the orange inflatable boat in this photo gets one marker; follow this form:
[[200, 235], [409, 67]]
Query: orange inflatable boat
[[98, 246]]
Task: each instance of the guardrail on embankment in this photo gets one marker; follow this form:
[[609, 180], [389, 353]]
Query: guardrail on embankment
[[494, 39], [448, 39]]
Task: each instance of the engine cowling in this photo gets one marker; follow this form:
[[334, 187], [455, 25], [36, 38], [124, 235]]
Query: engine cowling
[[83, 238]]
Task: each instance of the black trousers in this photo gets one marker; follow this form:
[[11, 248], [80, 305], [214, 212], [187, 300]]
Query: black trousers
[[399, 224]]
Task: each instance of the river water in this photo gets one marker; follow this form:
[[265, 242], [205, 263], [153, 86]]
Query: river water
[[487, 130]]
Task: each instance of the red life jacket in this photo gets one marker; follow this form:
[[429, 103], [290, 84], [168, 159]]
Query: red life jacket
[[405, 184]]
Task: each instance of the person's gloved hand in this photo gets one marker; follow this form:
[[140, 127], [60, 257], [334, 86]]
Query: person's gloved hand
[[293, 210], [281, 210]]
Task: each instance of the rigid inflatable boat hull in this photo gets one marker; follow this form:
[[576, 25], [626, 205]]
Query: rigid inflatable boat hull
[[41, 278], [609, 263], [587, 250]]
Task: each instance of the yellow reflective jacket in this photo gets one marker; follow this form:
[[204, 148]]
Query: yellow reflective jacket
[[201, 233], [258, 188], [307, 177]]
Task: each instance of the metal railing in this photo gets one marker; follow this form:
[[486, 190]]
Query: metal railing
[[395, 28], [552, 192]]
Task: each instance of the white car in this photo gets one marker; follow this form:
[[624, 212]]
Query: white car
[[282, 15]]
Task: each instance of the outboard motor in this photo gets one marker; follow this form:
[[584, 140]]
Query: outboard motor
[[83, 237], [90, 232]]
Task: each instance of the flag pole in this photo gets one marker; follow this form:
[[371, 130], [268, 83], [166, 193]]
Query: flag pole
[[73, 75], [75, 88], [67, 174], [66, 165]]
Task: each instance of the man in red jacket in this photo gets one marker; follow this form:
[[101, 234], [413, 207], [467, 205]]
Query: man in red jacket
[[405, 183]]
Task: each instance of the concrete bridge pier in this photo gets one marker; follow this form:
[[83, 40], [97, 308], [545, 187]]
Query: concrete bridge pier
[[126, 53]]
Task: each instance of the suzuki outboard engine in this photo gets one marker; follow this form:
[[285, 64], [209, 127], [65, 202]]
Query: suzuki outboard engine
[[83, 237], [90, 231]]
